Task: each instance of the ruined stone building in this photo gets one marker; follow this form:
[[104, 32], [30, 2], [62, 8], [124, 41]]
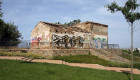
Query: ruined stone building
[[82, 35]]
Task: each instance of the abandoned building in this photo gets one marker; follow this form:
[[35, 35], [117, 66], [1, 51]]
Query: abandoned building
[[82, 35]]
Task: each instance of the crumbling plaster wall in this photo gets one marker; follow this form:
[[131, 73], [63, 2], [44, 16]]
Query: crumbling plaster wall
[[85, 36], [41, 36], [99, 34], [41, 31]]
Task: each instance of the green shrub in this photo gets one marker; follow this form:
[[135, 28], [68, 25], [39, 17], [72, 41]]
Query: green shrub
[[124, 51], [128, 56], [135, 52], [136, 65]]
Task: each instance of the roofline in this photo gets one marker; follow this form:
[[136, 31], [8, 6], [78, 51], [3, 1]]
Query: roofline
[[36, 25], [52, 23], [96, 23], [61, 25]]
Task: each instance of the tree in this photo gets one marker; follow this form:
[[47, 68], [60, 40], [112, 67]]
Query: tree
[[136, 50], [71, 23], [57, 23], [9, 34], [128, 12], [1, 21], [0, 9]]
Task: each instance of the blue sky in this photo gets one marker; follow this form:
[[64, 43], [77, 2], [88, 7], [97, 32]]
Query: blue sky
[[27, 13]]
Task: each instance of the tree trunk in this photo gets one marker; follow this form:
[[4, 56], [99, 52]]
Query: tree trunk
[[132, 51]]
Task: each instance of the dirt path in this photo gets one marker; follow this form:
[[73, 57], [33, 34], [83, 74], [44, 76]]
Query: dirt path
[[95, 66]]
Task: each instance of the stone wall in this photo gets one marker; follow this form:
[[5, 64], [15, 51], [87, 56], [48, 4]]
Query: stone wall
[[61, 52], [93, 28], [101, 53], [41, 31], [99, 33], [49, 53], [41, 36], [91, 33]]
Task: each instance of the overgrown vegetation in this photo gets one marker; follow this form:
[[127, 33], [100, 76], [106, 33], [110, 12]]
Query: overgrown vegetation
[[128, 56], [89, 58], [71, 23], [29, 55], [136, 52], [19, 70]]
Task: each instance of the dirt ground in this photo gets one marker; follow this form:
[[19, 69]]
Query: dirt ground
[[95, 66]]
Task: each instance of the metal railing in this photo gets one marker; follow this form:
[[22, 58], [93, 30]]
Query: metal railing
[[51, 45]]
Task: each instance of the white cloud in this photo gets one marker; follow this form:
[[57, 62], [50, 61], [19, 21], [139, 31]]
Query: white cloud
[[27, 13], [86, 8], [103, 11], [79, 2], [119, 2], [41, 8], [66, 19]]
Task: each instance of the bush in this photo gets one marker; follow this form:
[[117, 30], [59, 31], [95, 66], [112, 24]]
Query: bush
[[135, 52], [137, 65], [126, 51], [128, 56]]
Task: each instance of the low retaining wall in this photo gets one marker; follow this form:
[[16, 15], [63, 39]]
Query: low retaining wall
[[56, 52], [49, 53]]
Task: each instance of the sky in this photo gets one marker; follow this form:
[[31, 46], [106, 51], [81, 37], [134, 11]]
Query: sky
[[27, 13]]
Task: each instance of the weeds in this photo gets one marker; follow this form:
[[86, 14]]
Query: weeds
[[29, 55]]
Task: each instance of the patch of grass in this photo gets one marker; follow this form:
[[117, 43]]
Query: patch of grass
[[128, 56], [82, 59], [29, 55], [126, 51], [135, 52], [136, 59], [19, 70], [136, 64], [91, 59]]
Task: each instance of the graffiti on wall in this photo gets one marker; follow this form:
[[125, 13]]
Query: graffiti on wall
[[35, 39], [67, 41], [100, 42], [43, 37], [47, 37]]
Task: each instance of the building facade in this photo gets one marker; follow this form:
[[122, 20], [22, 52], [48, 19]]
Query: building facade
[[82, 35], [99, 33]]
